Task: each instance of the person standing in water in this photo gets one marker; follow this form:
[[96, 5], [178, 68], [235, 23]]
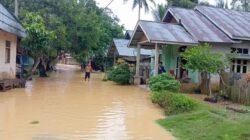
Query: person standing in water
[[88, 70]]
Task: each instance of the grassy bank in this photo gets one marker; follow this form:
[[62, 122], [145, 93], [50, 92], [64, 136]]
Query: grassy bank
[[209, 123]]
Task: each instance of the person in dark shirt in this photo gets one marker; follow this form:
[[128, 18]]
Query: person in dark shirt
[[161, 68]]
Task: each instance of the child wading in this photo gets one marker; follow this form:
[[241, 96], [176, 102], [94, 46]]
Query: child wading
[[88, 70]]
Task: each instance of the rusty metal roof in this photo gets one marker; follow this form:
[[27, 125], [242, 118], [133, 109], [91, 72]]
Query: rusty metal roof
[[123, 50], [198, 26], [165, 33], [9, 24], [233, 23]]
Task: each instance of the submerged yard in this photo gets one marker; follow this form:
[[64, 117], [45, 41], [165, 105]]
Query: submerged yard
[[209, 123]]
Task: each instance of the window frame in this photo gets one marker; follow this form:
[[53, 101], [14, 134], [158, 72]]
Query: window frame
[[240, 51], [7, 52], [238, 65]]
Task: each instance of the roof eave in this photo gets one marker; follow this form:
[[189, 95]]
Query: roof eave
[[137, 25], [174, 43], [241, 38]]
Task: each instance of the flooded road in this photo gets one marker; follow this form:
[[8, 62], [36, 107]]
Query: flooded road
[[65, 107]]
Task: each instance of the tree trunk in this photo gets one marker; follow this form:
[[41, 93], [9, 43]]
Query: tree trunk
[[34, 68], [43, 67], [36, 65], [205, 83], [209, 85]]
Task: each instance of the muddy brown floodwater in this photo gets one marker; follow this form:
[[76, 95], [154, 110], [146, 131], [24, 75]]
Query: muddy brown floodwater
[[64, 107]]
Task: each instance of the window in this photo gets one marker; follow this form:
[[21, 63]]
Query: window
[[240, 50], [239, 66], [182, 49], [7, 52]]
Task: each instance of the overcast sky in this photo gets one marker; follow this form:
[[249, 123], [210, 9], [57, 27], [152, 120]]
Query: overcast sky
[[127, 16]]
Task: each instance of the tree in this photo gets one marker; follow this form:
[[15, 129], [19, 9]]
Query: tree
[[201, 59], [241, 5], [37, 41], [222, 4], [140, 4], [159, 11], [80, 26], [204, 3], [183, 3]]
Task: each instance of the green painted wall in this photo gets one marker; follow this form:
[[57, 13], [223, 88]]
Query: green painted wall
[[194, 76], [169, 59]]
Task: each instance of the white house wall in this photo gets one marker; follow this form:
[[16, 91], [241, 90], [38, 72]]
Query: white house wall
[[7, 71], [226, 48]]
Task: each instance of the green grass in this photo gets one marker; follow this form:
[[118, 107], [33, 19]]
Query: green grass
[[209, 123]]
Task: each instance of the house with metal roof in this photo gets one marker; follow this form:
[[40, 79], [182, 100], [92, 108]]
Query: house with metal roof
[[11, 32], [226, 31], [119, 48]]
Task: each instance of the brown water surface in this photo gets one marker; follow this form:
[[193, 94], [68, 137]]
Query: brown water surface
[[64, 107]]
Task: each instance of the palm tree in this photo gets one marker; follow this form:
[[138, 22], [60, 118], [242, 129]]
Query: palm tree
[[159, 11], [140, 4]]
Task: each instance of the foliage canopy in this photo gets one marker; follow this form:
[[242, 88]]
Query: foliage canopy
[[80, 26], [202, 59]]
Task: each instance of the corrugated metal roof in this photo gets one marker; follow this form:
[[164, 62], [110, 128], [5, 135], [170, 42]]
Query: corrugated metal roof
[[157, 32], [123, 50], [234, 23], [9, 24], [199, 26]]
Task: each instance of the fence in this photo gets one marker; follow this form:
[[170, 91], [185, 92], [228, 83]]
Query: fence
[[236, 87]]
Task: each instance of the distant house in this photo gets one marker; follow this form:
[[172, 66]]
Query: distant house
[[11, 32], [226, 30], [119, 49]]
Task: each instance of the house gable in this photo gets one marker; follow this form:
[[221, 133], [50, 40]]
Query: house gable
[[197, 25]]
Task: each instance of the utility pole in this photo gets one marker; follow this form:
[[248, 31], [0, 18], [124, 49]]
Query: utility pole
[[16, 8]]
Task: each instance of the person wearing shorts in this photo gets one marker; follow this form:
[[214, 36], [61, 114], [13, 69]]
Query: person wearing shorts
[[88, 70]]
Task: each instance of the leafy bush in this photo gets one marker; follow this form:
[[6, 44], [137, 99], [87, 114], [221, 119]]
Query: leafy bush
[[159, 98], [179, 103], [120, 74], [173, 103], [164, 82]]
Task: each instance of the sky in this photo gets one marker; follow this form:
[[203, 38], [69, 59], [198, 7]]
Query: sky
[[127, 16]]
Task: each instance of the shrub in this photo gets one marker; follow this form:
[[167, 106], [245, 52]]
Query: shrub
[[159, 98], [179, 103], [164, 82], [120, 74], [173, 103]]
